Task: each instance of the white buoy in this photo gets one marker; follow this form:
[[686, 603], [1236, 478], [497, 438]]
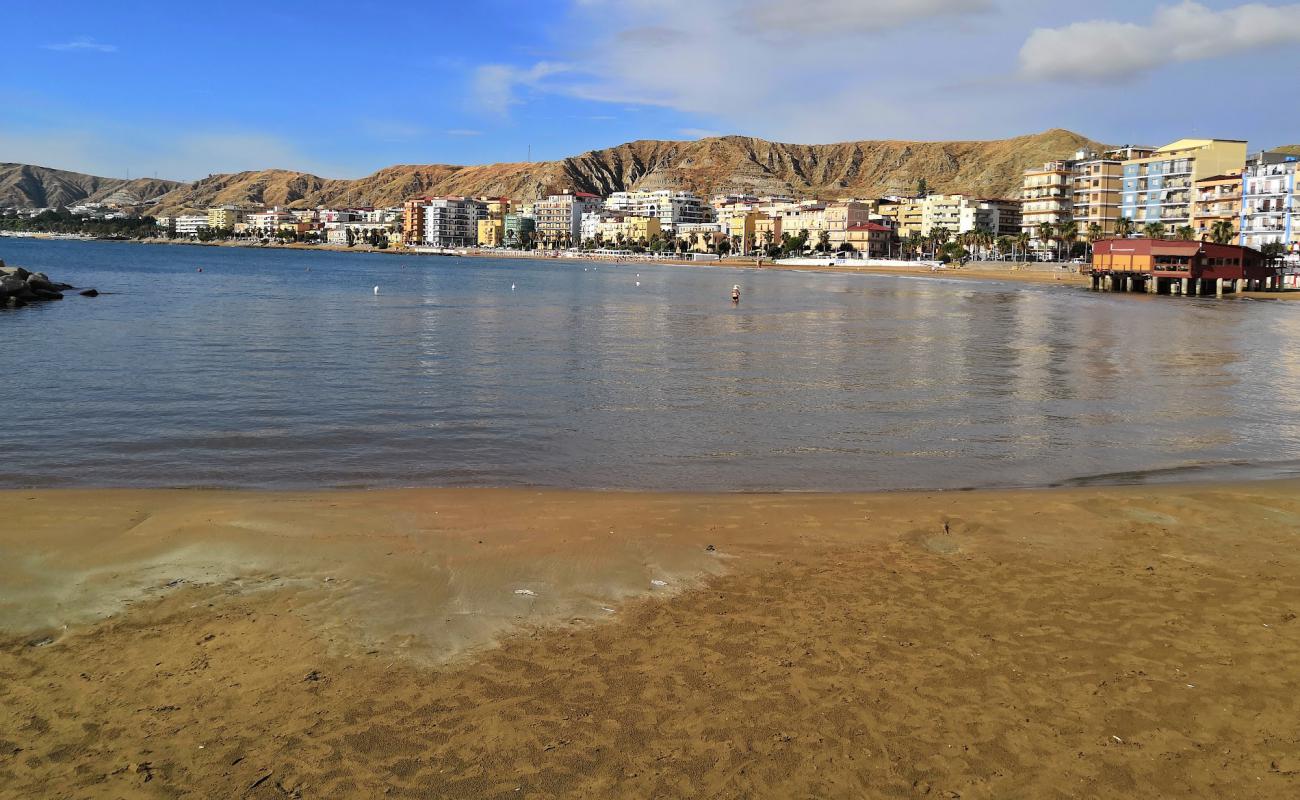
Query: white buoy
[[638, 283], [376, 290], [512, 287]]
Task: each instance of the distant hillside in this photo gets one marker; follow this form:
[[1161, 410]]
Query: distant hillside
[[1291, 149], [26, 186], [707, 166]]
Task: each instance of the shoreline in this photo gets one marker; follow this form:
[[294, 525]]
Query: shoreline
[[1009, 274], [1124, 640]]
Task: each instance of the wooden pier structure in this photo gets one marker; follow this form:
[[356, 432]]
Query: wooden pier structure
[[1191, 269]]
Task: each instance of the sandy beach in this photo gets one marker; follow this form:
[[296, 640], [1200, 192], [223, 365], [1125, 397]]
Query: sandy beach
[[1092, 642]]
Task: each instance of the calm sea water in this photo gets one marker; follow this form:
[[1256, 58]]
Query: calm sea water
[[283, 369]]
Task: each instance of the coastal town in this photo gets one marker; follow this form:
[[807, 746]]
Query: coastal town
[[1204, 190]]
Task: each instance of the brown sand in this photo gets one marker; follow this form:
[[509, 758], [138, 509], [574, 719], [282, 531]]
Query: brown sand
[[1117, 642]]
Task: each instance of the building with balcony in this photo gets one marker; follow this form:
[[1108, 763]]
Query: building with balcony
[[491, 232], [740, 226], [452, 221], [1217, 198], [1095, 197], [268, 221], [225, 217], [1047, 196], [518, 230], [1000, 217], [413, 220], [1159, 188], [189, 224], [671, 208], [559, 218], [871, 239], [1269, 205]]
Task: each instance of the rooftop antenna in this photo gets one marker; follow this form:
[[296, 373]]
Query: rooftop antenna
[[530, 151]]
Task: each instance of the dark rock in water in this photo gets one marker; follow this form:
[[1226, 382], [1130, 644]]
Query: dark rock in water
[[90, 293]]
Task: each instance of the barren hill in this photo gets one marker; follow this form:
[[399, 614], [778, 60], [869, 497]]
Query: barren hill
[[27, 186], [707, 166]]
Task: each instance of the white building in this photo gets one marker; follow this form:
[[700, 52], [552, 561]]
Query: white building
[[672, 208], [452, 221], [1269, 205], [189, 224], [269, 221]]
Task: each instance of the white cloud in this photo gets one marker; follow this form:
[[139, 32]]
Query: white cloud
[[1101, 49], [698, 133], [766, 67], [85, 44], [495, 85]]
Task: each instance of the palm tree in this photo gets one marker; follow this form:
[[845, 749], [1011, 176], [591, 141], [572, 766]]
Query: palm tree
[[914, 242], [1154, 230], [1223, 232], [1003, 244], [1046, 232], [1094, 233], [768, 237], [1185, 233], [1066, 232], [824, 241], [1124, 227], [1022, 241], [939, 236]]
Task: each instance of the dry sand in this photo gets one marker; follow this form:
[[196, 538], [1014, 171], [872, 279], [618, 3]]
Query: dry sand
[[1099, 642]]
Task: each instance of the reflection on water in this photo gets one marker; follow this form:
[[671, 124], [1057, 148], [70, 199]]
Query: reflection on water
[[258, 372]]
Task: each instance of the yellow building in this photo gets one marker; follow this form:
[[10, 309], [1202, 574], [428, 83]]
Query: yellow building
[[767, 230], [1217, 198], [497, 207], [629, 230], [909, 214], [225, 217], [739, 227], [491, 232], [1159, 187]]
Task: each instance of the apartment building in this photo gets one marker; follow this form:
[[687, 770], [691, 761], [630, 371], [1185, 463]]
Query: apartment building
[[518, 229], [1158, 188], [840, 216], [624, 230], [413, 220], [955, 213], [452, 221], [671, 208], [1217, 198], [1047, 196], [268, 221], [189, 224], [559, 218], [1096, 184], [491, 232], [1269, 205], [871, 239], [740, 227], [767, 230], [1001, 217], [225, 217]]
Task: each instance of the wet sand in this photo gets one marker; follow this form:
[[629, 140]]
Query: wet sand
[[1098, 642]]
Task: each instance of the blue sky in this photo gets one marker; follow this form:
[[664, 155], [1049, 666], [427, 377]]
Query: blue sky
[[342, 89]]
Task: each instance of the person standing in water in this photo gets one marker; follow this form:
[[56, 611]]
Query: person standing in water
[[735, 294]]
